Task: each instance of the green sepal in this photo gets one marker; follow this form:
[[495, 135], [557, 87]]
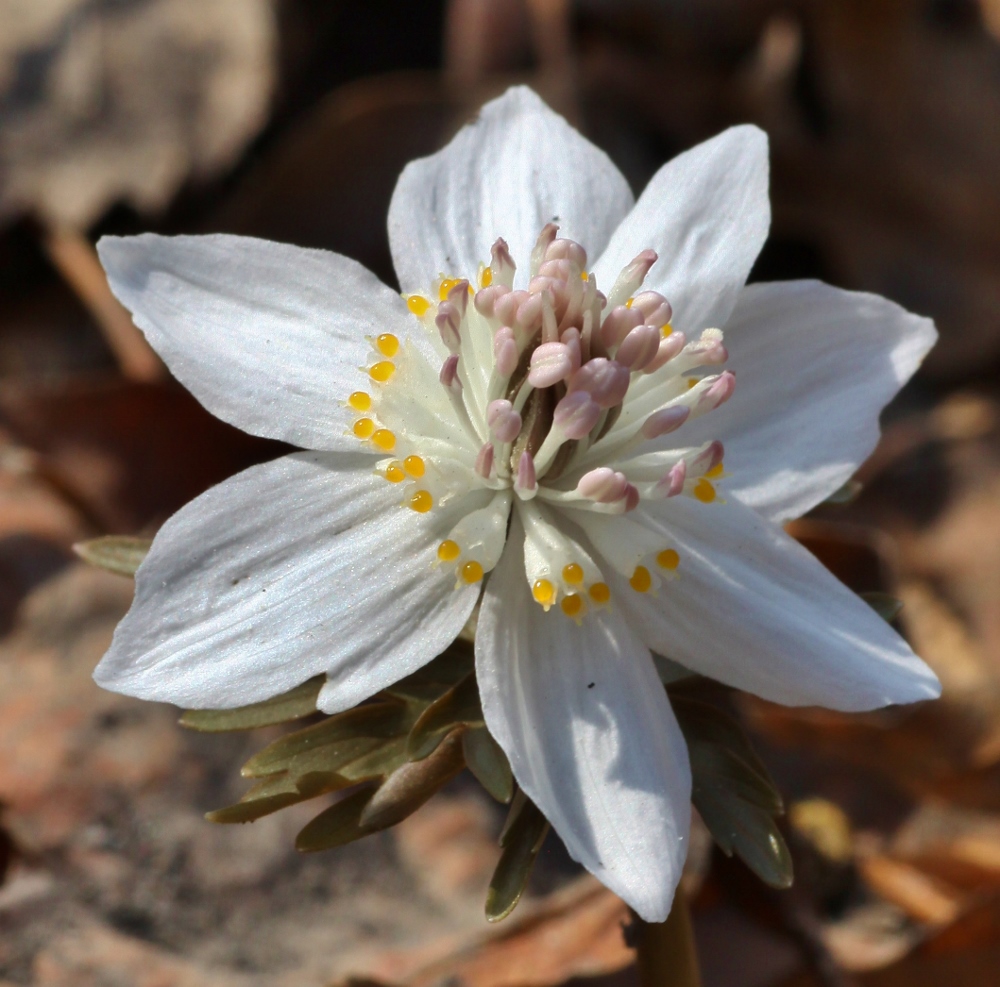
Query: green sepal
[[887, 606], [294, 705], [488, 763], [459, 706], [522, 838], [338, 825], [436, 677], [120, 554]]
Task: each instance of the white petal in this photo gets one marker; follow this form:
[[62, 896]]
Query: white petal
[[267, 336], [517, 167], [590, 736], [706, 214], [303, 565], [752, 608], [814, 367]]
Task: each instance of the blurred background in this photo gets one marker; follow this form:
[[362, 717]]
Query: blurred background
[[290, 119]]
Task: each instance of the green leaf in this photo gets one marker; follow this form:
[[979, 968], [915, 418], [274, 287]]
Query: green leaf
[[669, 671], [888, 607], [845, 494], [436, 677], [459, 706], [486, 760], [719, 768], [276, 793], [522, 838], [413, 783], [366, 725], [116, 553], [339, 824], [293, 705]]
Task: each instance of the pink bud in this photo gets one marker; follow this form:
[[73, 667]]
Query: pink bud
[[576, 414], [484, 461], [605, 380], [603, 485], [550, 363], [655, 309], [617, 325], [505, 354], [503, 420], [526, 479], [665, 420], [639, 347], [668, 349], [718, 392], [448, 321], [449, 373]]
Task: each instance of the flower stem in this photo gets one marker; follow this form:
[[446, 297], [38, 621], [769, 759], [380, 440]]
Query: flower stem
[[666, 951]]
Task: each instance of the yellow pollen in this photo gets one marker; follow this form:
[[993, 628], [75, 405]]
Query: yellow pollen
[[544, 592], [414, 466], [360, 401], [418, 305], [388, 344], [394, 472], [584, 276], [384, 439], [446, 286], [363, 428], [472, 572], [704, 491], [628, 304], [600, 593], [382, 371], [421, 502], [571, 605], [668, 559], [448, 551], [692, 382], [641, 580], [573, 574], [666, 329], [486, 278], [715, 471]]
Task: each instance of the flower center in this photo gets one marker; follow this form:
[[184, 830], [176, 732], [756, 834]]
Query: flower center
[[539, 398]]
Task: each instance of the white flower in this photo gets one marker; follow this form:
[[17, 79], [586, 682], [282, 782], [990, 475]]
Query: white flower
[[512, 433]]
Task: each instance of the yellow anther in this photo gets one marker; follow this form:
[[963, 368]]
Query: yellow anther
[[446, 286], [704, 491], [600, 593], [584, 276], [414, 466], [573, 574], [628, 304], [394, 472], [382, 371], [486, 278], [472, 572], [384, 439], [360, 401], [388, 344], [421, 502], [448, 551], [666, 329], [571, 605], [716, 471], [668, 559], [641, 580], [363, 428], [692, 382], [418, 305], [544, 592]]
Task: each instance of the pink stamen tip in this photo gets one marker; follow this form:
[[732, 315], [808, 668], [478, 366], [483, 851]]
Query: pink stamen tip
[[505, 353], [576, 414], [639, 348], [709, 350], [550, 363], [459, 296], [563, 249], [529, 312], [631, 498], [571, 340], [487, 298], [503, 420], [708, 459], [606, 381], [507, 305], [640, 265], [484, 461], [603, 485], [526, 479], [665, 420], [718, 392], [673, 483], [449, 373], [618, 324], [500, 256], [656, 310], [448, 321], [668, 349]]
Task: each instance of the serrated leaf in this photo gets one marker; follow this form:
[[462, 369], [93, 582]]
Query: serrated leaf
[[522, 838], [488, 763], [459, 706], [413, 783], [292, 705], [749, 831], [845, 494], [115, 553], [366, 725], [888, 607], [338, 825]]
